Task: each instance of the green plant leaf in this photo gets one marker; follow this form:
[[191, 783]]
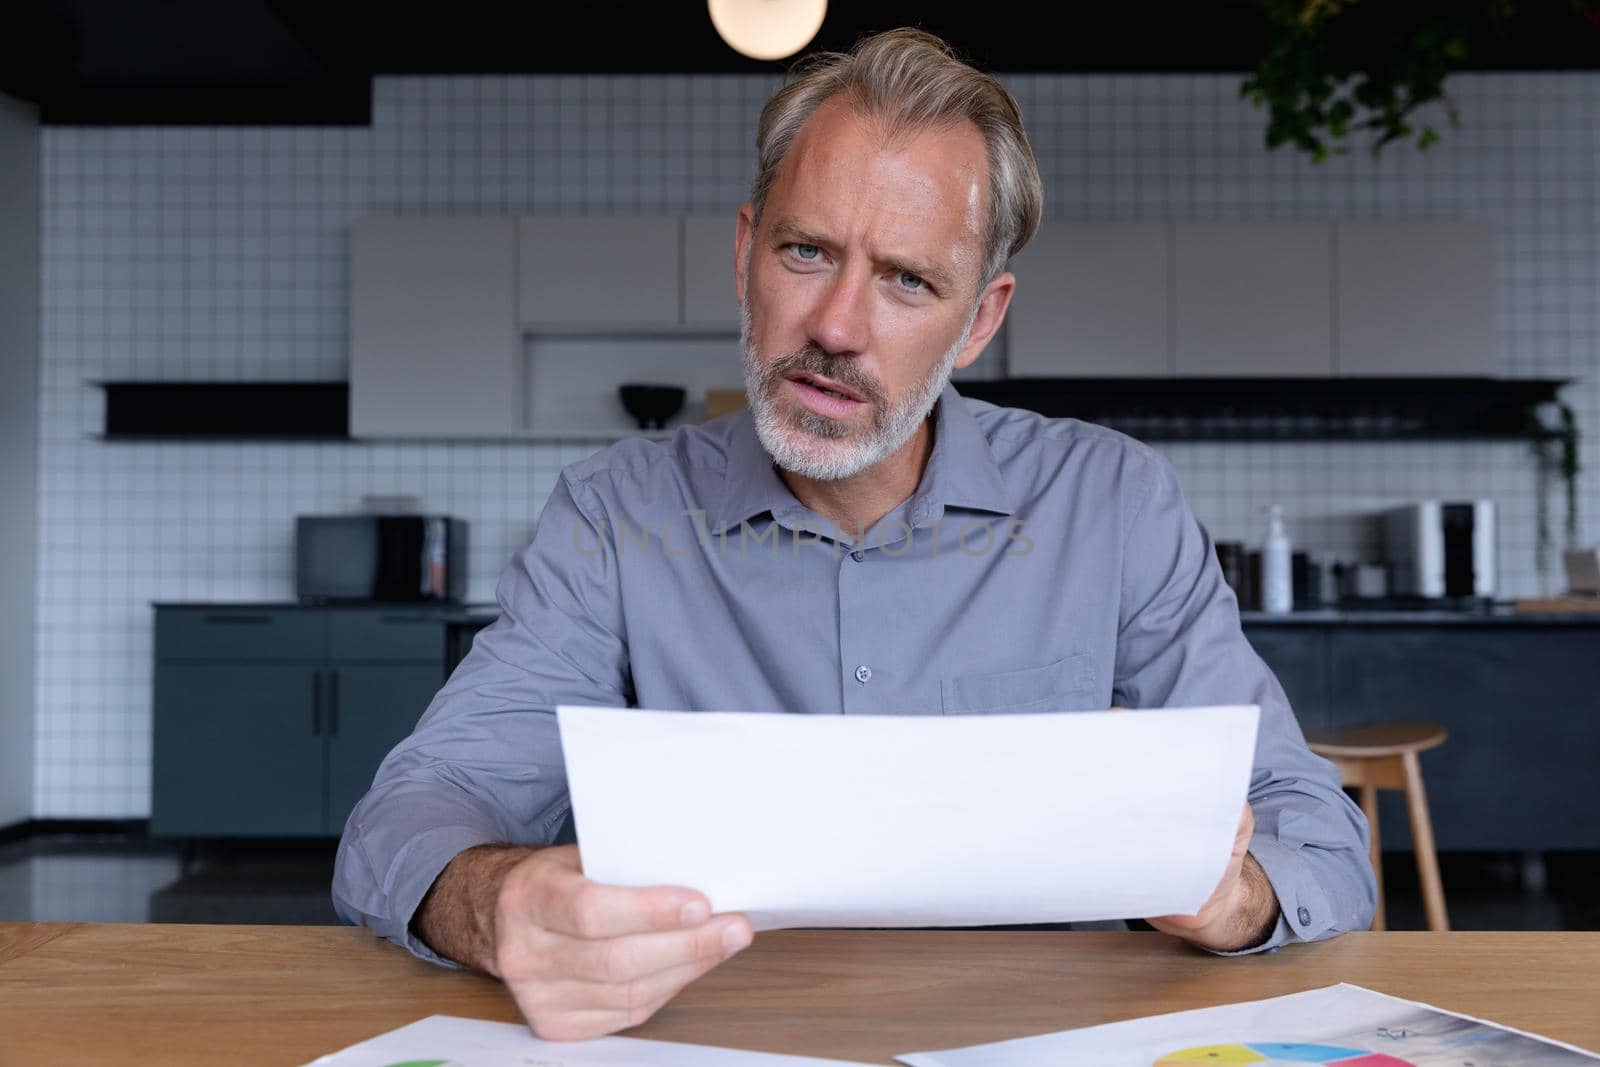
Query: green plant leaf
[[1333, 67]]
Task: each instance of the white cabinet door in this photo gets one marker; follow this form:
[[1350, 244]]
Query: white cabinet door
[[598, 272], [433, 335], [1416, 298], [1253, 298], [1092, 300], [709, 299]]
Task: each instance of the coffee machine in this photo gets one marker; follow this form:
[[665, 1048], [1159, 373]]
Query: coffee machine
[[1441, 549]]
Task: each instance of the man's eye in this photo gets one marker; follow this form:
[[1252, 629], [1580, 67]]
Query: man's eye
[[807, 251], [911, 281]]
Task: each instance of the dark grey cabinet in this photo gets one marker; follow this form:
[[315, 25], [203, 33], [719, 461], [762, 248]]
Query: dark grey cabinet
[[376, 705], [272, 722], [1520, 699], [236, 750], [1301, 665]]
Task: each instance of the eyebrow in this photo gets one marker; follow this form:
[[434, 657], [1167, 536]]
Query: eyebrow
[[787, 229]]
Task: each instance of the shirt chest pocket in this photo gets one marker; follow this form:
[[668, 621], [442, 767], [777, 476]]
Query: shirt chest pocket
[[1068, 684]]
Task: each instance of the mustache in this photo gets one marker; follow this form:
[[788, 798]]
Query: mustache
[[812, 359]]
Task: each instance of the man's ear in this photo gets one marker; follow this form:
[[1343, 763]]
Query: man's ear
[[744, 236], [992, 306]]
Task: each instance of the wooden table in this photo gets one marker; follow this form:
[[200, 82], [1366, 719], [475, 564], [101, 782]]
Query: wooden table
[[240, 995]]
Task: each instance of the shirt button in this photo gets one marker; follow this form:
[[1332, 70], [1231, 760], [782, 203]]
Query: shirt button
[[858, 555], [863, 674], [1305, 916]]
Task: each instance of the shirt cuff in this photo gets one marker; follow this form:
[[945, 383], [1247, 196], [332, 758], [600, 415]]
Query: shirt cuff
[[1303, 910], [411, 874]]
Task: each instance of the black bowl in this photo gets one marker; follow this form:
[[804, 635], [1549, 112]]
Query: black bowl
[[651, 405]]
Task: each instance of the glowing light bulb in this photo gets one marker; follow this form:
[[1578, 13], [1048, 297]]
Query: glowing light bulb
[[767, 29]]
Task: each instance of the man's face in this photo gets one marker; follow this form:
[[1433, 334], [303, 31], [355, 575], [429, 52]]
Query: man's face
[[859, 289]]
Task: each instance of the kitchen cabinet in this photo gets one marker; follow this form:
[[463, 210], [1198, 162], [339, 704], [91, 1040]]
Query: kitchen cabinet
[[598, 272], [374, 707], [237, 750], [434, 347], [709, 298], [1270, 299], [1301, 665], [606, 301], [1415, 298], [272, 721], [1515, 694], [1092, 301], [1252, 298], [610, 274], [524, 328]]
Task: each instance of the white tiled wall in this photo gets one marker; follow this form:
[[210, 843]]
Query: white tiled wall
[[220, 253]]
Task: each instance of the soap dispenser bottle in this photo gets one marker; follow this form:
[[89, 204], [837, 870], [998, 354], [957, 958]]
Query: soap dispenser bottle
[[1277, 578]]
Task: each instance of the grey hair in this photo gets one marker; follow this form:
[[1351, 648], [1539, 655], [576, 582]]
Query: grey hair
[[912, 81]]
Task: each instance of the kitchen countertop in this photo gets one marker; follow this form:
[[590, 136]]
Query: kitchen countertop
[[1498, 615]]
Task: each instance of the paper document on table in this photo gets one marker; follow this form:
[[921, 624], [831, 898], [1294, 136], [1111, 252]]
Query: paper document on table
[[971, 820], [449, 1041], [1337, 1026]]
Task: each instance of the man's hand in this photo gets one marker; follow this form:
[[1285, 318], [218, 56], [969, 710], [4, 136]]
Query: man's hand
[[581, 959], [1243, 910]]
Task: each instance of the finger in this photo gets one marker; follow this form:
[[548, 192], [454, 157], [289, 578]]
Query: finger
[[561, 1024], [614, 1006], [624, 959], [565, 902], [643, 997], [1185, 922]]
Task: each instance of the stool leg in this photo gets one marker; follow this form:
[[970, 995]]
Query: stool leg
[[1422, 841], [1369, 804]]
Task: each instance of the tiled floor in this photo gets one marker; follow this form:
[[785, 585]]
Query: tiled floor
[[122, 879]]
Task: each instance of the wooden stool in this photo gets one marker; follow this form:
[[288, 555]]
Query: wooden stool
[[1378, 756]]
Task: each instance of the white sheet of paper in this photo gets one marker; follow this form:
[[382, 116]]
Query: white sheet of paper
[[1332, 1026], [967, 820], [451, 1041]]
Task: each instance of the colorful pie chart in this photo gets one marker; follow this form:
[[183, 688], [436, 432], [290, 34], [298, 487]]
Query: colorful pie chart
[[1280, 1054]]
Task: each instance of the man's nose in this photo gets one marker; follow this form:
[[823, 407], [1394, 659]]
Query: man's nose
[[841, 321]]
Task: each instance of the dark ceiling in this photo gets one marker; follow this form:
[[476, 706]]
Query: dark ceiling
[[312, 61]]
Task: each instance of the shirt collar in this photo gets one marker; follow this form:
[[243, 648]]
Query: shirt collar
[[750, 482], [961, 471]]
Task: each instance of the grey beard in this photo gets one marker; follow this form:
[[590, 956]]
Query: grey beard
[[815, 446]]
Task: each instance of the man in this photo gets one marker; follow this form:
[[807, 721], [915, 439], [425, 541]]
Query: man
[[862, 540]]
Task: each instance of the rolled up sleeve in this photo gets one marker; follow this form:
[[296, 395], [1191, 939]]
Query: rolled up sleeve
[[1180, 644], [484, 764]]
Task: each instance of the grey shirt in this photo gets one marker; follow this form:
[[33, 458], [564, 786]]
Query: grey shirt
[[1041, 565]]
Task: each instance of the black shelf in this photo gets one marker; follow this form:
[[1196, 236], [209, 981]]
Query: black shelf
[[1151, 409], [227, 411], [1289, 409]]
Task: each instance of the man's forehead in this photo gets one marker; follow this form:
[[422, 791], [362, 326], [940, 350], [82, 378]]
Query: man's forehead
[[840, 140], [923, 188]]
